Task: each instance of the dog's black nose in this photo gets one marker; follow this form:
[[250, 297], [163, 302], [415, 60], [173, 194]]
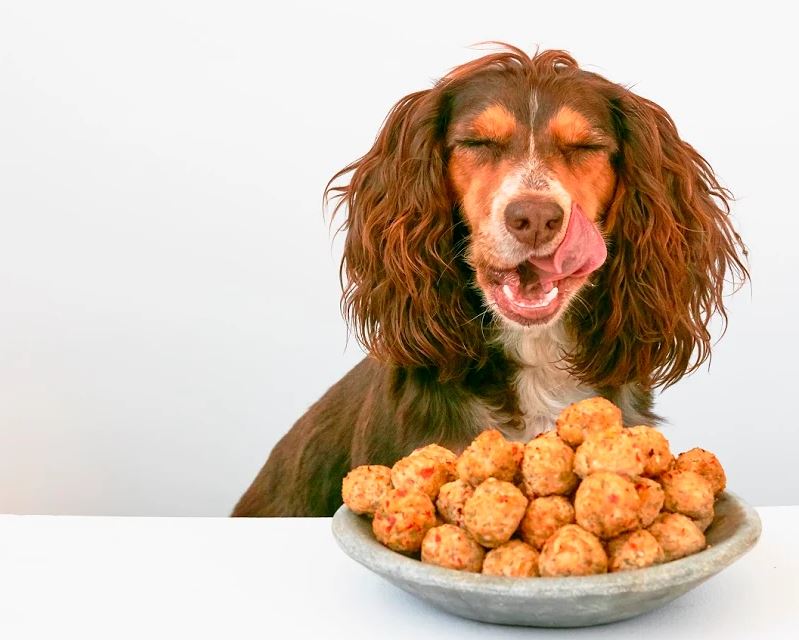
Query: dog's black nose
[[534, 221]]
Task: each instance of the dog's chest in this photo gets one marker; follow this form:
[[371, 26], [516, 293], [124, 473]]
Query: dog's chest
[[542, 384]]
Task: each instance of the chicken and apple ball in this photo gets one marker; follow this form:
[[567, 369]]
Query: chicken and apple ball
[[608, 451], [607, 504], [677, 535], [688, 493], [650, 493], [514, 559], [587, 417], [706, 465], [489, 455], [451, 499], [403, 518], [494, 511], [451, 547], [653, 449], [548, 466], [634, 550], [437, 452], [421, 471], [543, 517], [572, 551], [364, 487]]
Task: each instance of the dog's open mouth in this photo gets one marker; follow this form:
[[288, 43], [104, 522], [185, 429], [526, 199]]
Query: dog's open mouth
[[523, 297], [534, 291]]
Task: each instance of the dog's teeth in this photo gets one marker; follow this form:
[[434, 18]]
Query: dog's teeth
[[549, 297]]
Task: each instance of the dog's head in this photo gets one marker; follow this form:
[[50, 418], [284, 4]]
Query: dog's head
[[520, 191]]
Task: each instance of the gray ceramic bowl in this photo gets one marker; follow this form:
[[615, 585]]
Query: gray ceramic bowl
[[555, 602]]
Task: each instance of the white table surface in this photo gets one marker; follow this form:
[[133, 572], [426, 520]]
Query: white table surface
[[112, 578]]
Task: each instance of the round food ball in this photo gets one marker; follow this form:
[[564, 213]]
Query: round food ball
[[650, 493], [547, 466], [592, 415], [451, 499], [493, 513], [653, 449], [688, 493], [402, 519], [514, 559], [364, 487], [677, 535], [422, 472], [706, 465], [451, 547], [608, 451], [606, 504], [437, 452], [488, 456], [543, 517], [572, 551], [634, 550]]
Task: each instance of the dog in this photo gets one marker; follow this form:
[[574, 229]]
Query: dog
[[521, 236]]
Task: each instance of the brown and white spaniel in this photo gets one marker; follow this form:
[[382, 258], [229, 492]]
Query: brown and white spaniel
[[523, 235]]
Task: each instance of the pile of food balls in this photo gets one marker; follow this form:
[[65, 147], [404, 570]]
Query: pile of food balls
[[589, 497]]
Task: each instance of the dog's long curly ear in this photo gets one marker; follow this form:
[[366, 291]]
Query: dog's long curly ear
[[404, 291], [672, 247]]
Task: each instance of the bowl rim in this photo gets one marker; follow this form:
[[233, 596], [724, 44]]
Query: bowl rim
[[358, 543]]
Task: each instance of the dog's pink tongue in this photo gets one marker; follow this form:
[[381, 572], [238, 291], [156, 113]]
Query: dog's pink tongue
[[581, 251]]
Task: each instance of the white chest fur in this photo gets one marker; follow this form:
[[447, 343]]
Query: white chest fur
[[543, 385]]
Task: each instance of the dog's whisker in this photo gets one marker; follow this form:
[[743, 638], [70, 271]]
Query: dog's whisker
[[579, 300]]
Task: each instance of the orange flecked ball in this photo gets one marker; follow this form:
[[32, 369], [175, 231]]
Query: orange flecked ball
[[677, 535], [650, 493], [489, 455], [437, 452], [706, 465], [653, 448], [451, 547], [493, 513], [606, 504], [634, 550], [513, 559], [586, 417], [688, 493], [422, 472], [572, 551], [543, 517], [364, 487], [548, 464], [451, 499], [608, 451], [403, 518]]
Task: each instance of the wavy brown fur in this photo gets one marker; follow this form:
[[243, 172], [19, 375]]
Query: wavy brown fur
[[404, 292], [672, 249], [672, 245]]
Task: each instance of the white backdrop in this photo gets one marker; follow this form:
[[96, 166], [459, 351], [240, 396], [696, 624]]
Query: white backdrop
[[168, 286]]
